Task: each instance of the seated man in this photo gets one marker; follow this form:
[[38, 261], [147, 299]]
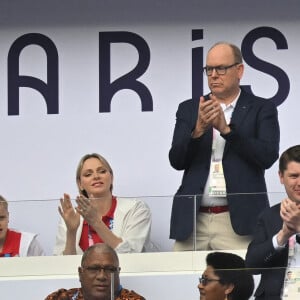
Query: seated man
[[98, 275], [273, 251], [15, 243]]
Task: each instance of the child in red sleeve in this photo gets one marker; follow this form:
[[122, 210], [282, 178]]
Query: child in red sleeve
[[15, 243]]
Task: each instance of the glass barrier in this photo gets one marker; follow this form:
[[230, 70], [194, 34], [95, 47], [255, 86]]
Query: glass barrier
[[159, 266], [36, 277], [42, 217]]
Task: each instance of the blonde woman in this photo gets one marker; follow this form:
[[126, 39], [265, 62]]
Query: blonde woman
[[100, 217]]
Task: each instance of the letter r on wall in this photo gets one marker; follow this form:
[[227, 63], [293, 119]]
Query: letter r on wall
[[108, 89]]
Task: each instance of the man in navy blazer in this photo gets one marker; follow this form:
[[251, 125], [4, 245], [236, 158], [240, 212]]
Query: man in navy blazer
[[268, 252], [243, 131]]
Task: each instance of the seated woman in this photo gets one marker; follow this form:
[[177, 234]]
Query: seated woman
[[123, 224], [14, 242], [225, 277]]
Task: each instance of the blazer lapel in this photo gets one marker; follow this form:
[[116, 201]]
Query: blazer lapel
[[241, 109]]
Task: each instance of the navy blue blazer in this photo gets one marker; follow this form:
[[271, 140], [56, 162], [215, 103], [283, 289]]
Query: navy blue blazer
[[251, 147], [263, 259]]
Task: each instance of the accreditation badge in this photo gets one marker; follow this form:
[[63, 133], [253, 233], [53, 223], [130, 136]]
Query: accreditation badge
[[291, 287], [217, 186]]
